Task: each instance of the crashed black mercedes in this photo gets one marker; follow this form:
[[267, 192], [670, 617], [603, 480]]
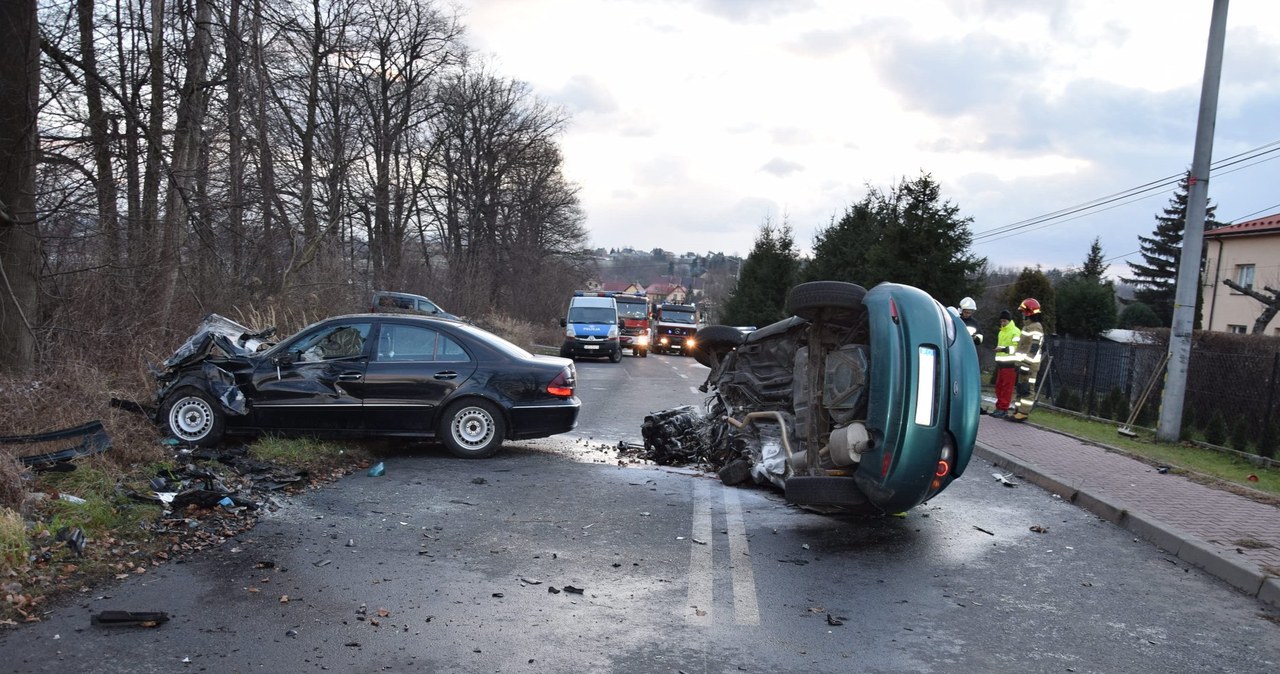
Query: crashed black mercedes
[[365, 375]]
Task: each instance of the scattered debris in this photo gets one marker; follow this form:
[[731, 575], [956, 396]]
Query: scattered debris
[[93, 439], [834, 621], [377, 470], [1253, 478], [129, 618], [531, 581], [74, 538], [552, 589], [983, 530], [573, 590], [1004, 479], [1039, 529], [498, 595], [1163, 470], [479, 480]]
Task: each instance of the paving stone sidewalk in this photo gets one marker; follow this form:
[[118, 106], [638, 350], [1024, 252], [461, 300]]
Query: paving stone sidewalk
[[1229, 536]]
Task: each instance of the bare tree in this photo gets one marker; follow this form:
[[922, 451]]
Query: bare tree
[[1270, 304], [19, 240], [408, 46]]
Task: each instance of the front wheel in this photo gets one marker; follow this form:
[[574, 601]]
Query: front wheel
[[616, 356], [472, 429], [193, 417]]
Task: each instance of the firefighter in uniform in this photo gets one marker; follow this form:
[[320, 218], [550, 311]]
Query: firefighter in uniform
[[1030, 351], [1006, 364], [967, 307]]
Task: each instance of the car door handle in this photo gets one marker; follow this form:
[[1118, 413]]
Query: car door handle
[[350, 376], [447, 374]]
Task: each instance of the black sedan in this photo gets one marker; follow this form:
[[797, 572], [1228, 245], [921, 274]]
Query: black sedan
[[365, 375]]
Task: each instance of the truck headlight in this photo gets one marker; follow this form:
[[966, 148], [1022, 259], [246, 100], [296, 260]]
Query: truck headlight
[[642, 340]]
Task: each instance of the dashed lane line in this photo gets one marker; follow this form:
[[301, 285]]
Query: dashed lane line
[[700, 569]]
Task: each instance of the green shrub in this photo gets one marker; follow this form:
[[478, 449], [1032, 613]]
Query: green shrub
[[1240, 435], [1215, 431], [1268, 440], [1068, 400]]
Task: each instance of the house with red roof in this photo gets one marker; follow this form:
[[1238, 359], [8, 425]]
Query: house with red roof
[[1247, 253]]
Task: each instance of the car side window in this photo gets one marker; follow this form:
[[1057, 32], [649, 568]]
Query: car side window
[[406, 343], [427, 307], [346, 340], [451, 351]]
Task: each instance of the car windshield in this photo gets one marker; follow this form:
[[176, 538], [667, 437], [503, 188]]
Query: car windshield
[[592, 315], [632, 309], [677, 316], [494, 341]]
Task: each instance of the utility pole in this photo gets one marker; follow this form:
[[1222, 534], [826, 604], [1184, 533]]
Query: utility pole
[[1184, 303]]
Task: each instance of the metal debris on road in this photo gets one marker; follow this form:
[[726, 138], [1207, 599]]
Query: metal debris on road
[[983, 530]]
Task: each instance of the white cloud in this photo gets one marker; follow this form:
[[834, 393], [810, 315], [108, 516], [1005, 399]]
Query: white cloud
[[695, 120]]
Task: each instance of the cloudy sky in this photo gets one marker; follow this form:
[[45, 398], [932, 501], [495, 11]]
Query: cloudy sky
[[695, 121]]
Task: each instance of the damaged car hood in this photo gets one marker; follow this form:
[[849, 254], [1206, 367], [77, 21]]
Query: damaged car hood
[[218, 331]]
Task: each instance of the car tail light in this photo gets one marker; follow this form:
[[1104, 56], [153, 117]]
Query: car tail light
[[562, 385], [893, 310]]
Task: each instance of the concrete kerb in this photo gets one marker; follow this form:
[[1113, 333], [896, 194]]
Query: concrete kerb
[[1246, 577]]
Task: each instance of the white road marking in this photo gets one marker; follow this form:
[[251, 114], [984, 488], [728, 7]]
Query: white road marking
[[700, 570], [746, 610], [683, 376]]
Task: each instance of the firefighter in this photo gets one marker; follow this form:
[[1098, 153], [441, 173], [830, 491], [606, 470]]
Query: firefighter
[[967, 307], [1030, 351], [1006, 364]]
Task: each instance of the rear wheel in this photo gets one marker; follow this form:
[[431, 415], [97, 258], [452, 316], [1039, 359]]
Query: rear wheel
[[833, 301], [472, 429], [193, 417], [713, 342]]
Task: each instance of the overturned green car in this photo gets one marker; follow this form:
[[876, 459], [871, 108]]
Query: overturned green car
[[862, 400]]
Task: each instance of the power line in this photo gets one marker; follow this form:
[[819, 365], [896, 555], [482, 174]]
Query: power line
[[1124, 196]]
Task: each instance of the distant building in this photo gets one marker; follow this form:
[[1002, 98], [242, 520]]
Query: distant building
[[1247, 253]]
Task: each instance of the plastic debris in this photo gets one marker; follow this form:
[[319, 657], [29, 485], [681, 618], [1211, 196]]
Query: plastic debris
[[129, 618], [378, 470], [1004, 479], [1253, 478], [1039, 529], [989, 533], [1163, 470], [573, 590], [74, 537], [71, 499]]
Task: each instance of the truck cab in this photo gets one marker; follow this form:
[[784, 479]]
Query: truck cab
[[634, 311], [591, 328], [674, 329]]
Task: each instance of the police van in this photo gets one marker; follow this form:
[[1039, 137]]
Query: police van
[[591, 328]]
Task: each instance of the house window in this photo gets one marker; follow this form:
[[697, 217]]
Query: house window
[[1236, 329], [1244, 276]]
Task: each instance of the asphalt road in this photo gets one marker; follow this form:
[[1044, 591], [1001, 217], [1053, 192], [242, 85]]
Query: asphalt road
[[470, 566]]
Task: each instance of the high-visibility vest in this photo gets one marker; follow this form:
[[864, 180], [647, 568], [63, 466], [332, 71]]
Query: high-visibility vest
[[1007, 345]]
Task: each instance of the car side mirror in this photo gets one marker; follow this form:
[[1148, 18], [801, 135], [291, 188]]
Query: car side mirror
[[621, 323], [284, 359], [563, 323]]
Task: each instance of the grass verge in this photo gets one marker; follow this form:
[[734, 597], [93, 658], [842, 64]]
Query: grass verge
[[1183, 457]]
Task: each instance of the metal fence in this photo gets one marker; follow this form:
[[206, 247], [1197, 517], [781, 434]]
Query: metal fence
[[1231, 399]]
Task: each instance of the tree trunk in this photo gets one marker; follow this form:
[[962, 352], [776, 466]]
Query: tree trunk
[[154, 132], [235, 146], [19, 240], [186, 150], [104, 178]]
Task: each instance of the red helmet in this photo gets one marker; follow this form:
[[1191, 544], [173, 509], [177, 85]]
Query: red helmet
[[1029, 306]]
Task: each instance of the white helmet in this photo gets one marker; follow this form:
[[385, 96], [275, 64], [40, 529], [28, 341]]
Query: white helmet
[[968, 304]]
